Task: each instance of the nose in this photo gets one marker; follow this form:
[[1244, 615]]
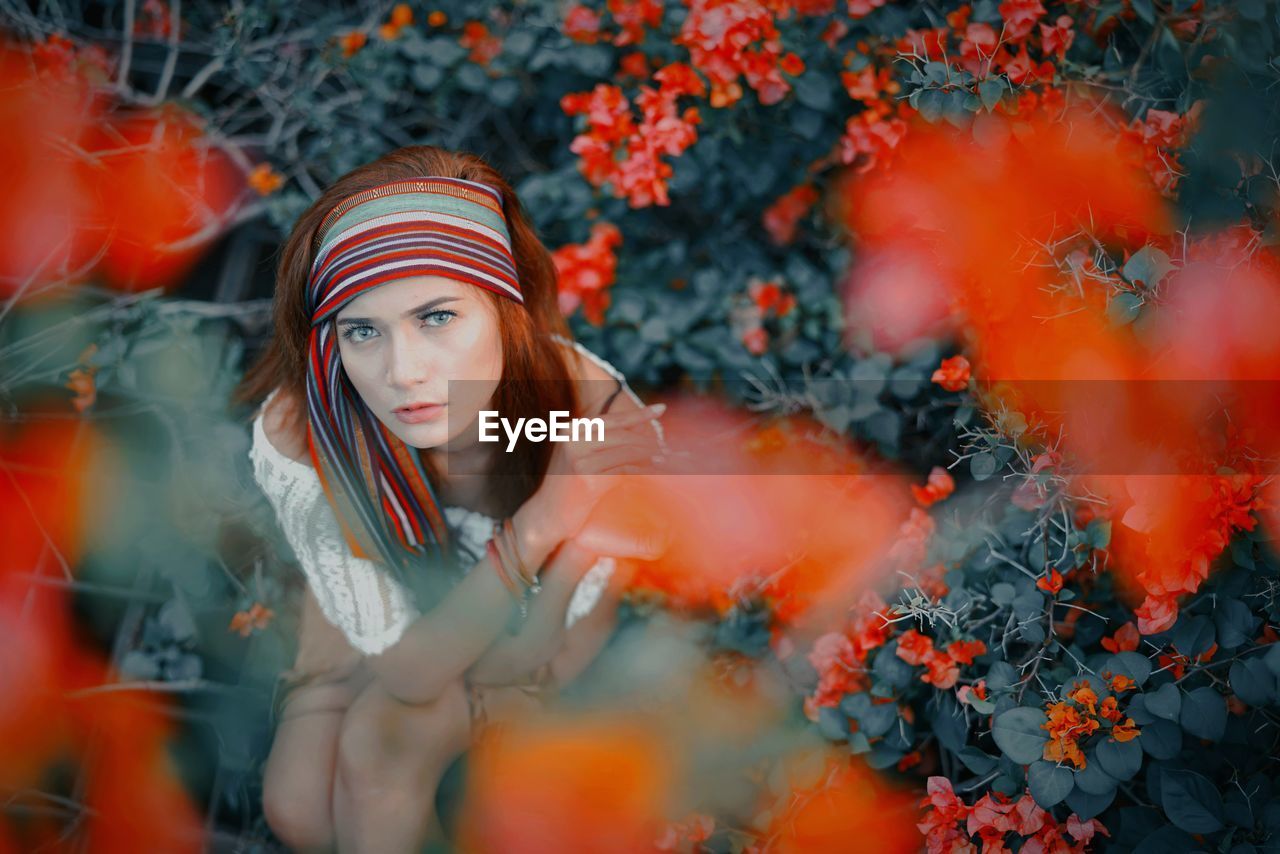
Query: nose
[[406, 363]]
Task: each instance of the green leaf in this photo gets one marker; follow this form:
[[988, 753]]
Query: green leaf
[[891, 669], [1093, 778], [1123, 308], [814, 90], [1098, 533], [1204, 714], [1049, 783], [1003, 593], [1193, 635], [930, 104], [504, 92], [1020, 735], [884, 757], [1086, 806], [833, 723], [991, 91], [1161, 739], [1135, 665], [1120, 759], [1165, 702], [878, 719], [982, 465], [426, 76], [1253, 682], [1235, 622], [1146, 267], [977, 760], [1191, 801]]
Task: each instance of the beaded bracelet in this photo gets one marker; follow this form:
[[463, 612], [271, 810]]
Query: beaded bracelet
[[495, 558], [531, 580]]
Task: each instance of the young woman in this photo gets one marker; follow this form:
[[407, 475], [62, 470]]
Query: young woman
[[450, 584]]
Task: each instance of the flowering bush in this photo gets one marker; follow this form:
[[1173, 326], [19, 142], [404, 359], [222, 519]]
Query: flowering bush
[[1080, 646]]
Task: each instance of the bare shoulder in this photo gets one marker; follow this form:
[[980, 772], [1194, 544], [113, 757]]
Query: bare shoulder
[[597, 386], [284, 421]]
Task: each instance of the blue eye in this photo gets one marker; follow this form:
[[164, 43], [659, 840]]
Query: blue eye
[[356, 333], [449, 315], [349, 333]]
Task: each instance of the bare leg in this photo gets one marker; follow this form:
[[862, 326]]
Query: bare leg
[[391, 757], [297, 782]]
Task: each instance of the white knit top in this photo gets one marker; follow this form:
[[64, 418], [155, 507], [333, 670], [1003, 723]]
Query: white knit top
[[357, 595]]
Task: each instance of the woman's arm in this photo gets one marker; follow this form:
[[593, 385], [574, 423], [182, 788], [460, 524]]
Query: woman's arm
[[438, 647], [510, 658]]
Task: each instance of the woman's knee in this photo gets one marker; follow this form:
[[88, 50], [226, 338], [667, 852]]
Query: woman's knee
[[384, 739]]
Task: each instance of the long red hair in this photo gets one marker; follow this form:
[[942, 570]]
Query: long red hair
[[535, 374]]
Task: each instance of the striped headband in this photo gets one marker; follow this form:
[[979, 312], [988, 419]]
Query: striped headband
[[450, 227]]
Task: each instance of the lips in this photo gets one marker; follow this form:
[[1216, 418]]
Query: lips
[[416, 413]]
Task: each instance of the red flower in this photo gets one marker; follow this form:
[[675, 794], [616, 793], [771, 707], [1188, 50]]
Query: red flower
[[1124, 640], [1058, 38], [756, 340], [952, 374], [1156, 615], [484, 46], [966, 651], [585, 272], [914, 647], [939, 485], [781, 218], [1020, 17], [1052, 583], [582, 24]]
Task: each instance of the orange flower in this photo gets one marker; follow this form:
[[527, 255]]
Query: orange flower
[[1124, 640], [82, 383], [941, 671], [1126, 731], [255, 619], [265, 180], [966, 651], [401, 15], [781, 218], [1052, 584], [484, 46], [1066, 726], [1120, 683], [914, 647], [952, 374], [352, 42], [1156, 614], [437, 19], [1084, 696], [1110, 709], [939, 485]]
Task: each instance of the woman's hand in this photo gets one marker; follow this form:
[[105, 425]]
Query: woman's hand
[[578, 476]]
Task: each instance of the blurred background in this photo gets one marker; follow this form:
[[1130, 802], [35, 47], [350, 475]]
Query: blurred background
[[976, 301]]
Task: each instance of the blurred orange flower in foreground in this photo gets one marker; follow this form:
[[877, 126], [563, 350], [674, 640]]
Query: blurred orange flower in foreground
[[764, 509], [57, 712], [576, 784], [134, 195], [1149, 413]]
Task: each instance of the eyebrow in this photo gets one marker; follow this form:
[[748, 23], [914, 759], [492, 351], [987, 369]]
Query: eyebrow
[[426, 306]]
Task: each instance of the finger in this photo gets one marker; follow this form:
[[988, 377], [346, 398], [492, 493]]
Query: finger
[[598, 462], [634, 416]]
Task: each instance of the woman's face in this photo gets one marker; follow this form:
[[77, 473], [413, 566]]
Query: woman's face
[[408, 341]]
